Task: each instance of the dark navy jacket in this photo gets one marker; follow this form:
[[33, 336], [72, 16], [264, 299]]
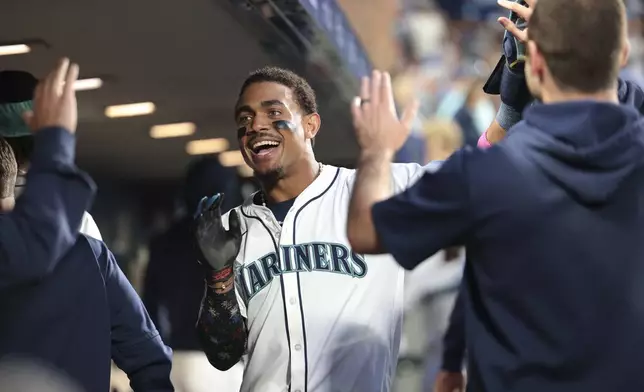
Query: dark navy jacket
[[552, 218], [45, 221], [454, 341], [63, 299]]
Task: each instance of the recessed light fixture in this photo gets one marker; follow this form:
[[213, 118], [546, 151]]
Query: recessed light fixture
[[88, 84], [231, 158], [172, 130], [8, 50], [206, 146], [130, 110]]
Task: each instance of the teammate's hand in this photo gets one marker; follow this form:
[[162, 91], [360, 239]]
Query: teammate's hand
[[55, 99], [449, 382], [218, 247], [376, 122], [523, 12]]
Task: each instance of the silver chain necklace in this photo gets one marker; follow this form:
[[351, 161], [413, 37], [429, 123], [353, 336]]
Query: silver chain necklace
[[261, 193]]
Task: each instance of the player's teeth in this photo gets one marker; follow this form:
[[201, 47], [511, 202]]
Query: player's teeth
[[265, 143]]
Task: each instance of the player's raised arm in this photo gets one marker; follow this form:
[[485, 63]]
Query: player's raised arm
[[221, 327], [508, 79], [415, 224], [45, 221], [380, 134]]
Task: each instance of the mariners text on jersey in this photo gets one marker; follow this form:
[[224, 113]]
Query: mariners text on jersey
[[319, 317], [310, 257]]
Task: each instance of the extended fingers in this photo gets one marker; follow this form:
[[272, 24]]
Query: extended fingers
[[387, 93], [409, 114], [70, 79], [54, 81], [376, 83], [521, 35], [365, 88], [522, 11]]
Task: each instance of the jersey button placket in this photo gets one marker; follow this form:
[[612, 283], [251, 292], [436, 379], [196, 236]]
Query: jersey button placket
[[294, 315]]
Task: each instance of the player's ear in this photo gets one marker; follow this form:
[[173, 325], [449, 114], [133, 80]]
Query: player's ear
[[625, 54], [312, 123], [535, 61]]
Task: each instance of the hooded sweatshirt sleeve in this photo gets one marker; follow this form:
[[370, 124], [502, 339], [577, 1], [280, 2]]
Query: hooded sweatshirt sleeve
[[454, 339], [46, 219], [431, 215], [137, 348]]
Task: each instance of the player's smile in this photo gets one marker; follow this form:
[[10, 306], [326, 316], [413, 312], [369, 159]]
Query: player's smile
[[262, 149]]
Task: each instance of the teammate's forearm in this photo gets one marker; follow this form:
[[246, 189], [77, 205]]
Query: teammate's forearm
[[494, 134], [372, 185], [221, 328]]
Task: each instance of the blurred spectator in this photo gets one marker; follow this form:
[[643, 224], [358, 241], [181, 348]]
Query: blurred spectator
[[174, 283], [466, 115], [443, 138]]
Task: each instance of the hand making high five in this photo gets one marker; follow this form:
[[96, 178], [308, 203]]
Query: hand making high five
[[376, 122], [522, 11], [55, 99]]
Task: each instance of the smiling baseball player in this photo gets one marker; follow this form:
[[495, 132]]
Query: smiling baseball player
[[283, 285]]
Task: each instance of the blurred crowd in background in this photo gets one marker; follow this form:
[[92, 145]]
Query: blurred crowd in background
[[440, 53]]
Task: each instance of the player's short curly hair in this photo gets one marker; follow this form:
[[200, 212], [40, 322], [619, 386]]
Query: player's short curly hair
[[8, 169], [304, 94]]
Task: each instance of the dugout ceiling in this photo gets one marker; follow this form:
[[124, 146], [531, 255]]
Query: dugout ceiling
[[189, 58]]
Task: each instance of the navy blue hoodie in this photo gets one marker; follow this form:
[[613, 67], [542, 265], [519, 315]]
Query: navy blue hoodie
[[629, 94], [63, 299], [552, 218]]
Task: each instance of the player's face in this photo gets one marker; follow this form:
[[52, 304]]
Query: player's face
[[270, 132]]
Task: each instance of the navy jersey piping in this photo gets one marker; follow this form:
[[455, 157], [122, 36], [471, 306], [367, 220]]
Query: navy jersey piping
[[299, 291], [279, 258]]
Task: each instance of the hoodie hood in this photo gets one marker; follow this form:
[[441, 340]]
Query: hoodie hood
[[587, 148]]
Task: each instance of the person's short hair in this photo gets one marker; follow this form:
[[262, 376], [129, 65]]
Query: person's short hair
[[581, 41], [8, 169], [303, 92]]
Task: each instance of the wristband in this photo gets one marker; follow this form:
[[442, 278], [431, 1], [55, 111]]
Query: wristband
[[507, 116], [483, 142], [219, 276]]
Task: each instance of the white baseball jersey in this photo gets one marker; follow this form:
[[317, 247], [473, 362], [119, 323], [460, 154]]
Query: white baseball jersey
[[320, 317]]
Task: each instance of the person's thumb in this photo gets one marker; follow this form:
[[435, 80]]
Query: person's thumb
[[409, 114], [234, 227]]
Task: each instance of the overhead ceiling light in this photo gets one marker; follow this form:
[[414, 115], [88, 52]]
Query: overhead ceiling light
[[88, 84], [130, 110], [206, 146], [231, 158], [172, 130], [8, 50]]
